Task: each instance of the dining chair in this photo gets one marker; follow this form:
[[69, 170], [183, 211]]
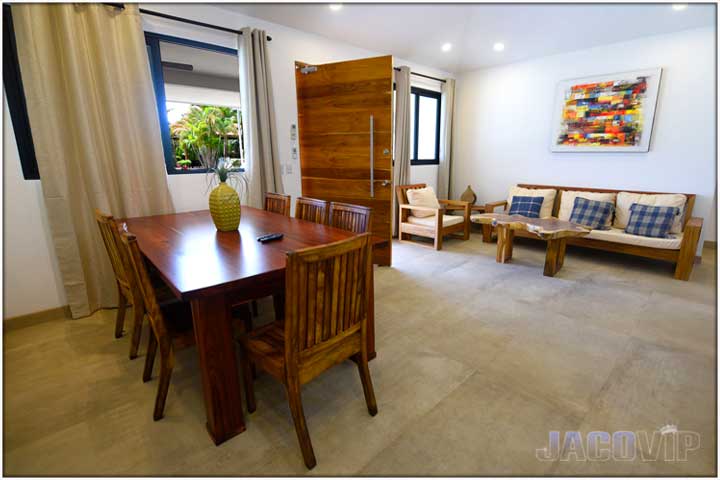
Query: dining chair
[[311, 209], [277, 203], [326, 302], [171, 324], [128, 293], [354, 218]]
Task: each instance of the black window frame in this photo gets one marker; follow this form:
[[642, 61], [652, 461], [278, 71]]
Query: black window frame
[[152, 40], [421, 92], [15, 94]]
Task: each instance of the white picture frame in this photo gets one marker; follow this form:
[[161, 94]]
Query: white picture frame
[[648, 105]]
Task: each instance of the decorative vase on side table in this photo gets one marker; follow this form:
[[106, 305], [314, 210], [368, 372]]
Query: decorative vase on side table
[[469, 196]]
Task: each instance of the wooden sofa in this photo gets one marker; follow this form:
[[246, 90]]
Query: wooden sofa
[[683, 257]]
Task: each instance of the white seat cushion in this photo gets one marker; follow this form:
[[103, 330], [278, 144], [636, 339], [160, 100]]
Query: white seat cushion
[[448, 220], [626, 199], [618, 235], [567, 202], [547, 194], [423, 197]]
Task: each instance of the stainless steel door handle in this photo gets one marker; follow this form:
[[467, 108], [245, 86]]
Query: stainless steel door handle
[[372, 157]]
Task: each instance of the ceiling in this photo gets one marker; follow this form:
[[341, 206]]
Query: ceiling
[[415, 32]]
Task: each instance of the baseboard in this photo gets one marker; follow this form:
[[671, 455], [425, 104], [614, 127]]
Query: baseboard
[[711, 244], [23, 321]]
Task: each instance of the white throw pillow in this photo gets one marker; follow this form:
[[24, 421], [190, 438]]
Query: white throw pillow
[[626, 199], [567, 202], [547, 194], [423, 197]]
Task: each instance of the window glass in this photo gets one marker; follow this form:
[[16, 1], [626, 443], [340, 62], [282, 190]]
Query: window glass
[[427, 128]]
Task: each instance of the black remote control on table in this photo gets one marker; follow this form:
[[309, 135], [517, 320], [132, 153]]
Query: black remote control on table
[[270, 237]]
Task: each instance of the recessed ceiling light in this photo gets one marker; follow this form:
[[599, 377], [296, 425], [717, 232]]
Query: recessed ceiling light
[[446, 47], [335, 6], [679, 6], [498, 46]]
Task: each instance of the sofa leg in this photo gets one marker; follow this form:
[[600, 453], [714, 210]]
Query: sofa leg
[[683, 268], [686, 257]]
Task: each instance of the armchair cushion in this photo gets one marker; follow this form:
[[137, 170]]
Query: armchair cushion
[[526, 206], [548, 195], [423, 197], [447, 220]]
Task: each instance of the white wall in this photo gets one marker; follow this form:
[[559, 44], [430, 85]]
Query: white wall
[[504, 114], [31, 274]]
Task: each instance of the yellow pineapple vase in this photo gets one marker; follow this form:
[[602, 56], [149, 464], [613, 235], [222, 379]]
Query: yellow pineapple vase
[[225, 207]]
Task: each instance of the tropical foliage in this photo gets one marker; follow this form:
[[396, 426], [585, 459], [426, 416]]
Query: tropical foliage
[[206, 134]]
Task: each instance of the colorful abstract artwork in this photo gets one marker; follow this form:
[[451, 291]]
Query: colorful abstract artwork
[[607, 113]]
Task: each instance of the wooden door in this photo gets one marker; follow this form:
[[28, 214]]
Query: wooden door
[[337, 104]]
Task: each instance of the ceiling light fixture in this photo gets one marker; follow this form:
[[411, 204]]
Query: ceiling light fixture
[[446, 47], [498, 46], [335, 6], [678, 7]]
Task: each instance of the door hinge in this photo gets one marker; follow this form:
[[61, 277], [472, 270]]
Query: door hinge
[[308, 69]]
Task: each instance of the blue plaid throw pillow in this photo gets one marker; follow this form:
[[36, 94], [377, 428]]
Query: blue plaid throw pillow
[[650, 221], [526, 206], [592, 213]]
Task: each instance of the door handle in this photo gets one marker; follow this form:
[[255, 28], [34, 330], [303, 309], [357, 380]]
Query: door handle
[[372, 157], [384, 183]]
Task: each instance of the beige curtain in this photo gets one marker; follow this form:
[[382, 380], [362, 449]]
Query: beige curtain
[[401, 167], [258, 111], [446, 115], [95, 127]]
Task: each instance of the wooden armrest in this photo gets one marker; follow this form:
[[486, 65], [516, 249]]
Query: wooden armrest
[[491, 206], [455, 203], [694, 222]]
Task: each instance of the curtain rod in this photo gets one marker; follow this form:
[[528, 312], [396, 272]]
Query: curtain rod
[[424, 76], [121, 6]]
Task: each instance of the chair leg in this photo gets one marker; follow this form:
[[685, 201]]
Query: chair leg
[[138, 316], [364, 371], [248, 377], [438, 241], [293, 393], [150, 357], [166, 368], [120, 318], [254, 308]]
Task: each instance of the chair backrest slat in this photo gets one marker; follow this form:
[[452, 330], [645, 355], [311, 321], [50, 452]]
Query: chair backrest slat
[[111, 238], [311, 209], [354, 218], [327, 292], [145, 286], [277, 203]]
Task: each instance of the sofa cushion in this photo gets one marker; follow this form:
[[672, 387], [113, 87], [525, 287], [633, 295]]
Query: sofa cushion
[[592, 213], [618, 235], [626, 199], [423, 197], [448, 220], [567, 202], [526, 206], [650, 221], [548, 195]]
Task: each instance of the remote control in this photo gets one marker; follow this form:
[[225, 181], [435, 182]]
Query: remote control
[[270, 237]]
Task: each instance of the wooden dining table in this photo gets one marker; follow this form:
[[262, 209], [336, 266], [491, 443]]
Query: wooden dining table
[[215, 270]]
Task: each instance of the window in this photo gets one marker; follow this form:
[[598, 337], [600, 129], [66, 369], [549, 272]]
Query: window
[[198, 98], [425, 128], [12, 80]]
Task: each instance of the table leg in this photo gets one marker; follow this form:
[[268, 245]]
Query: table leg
[[551, 258], [371, 318], [218, 367], [561, 254], [505, 238]]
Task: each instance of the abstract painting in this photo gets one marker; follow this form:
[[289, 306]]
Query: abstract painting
[[606, 113]]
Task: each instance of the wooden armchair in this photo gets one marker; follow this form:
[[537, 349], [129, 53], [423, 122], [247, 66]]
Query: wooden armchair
[[436, 226]]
